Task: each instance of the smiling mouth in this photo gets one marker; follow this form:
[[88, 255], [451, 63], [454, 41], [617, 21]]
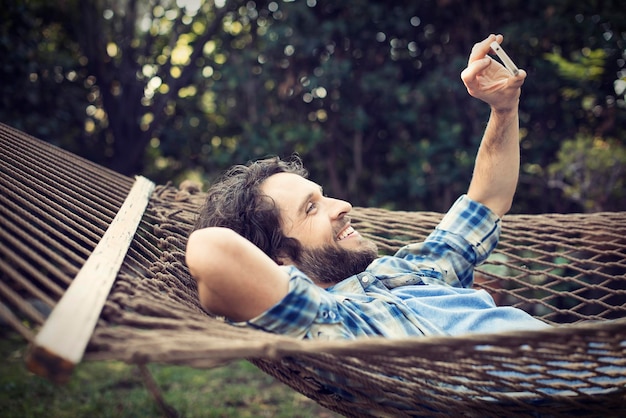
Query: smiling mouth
[[345, 233]]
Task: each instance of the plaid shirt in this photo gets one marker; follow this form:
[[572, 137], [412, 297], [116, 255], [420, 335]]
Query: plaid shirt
[[424, 289]]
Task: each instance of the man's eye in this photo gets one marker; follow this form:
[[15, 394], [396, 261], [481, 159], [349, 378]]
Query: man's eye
[[310, 207]]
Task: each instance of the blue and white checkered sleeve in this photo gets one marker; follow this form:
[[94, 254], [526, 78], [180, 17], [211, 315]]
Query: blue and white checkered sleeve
[[474, 223], [295, 313], [464, 238]]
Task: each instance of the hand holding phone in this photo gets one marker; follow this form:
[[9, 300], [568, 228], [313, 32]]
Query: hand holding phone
[[506, 60]]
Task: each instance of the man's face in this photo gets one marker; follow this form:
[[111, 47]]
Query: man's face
[[331, 249]]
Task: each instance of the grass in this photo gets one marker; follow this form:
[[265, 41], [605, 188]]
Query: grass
[[115, 389]]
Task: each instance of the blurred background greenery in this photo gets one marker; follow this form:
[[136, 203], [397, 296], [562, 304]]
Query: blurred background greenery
[[367, 92]]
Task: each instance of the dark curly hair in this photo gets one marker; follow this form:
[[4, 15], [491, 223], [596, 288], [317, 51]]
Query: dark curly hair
[[235, 201]]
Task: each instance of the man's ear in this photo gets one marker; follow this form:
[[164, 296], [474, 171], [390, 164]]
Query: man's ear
[[285, 253], [283, 260]]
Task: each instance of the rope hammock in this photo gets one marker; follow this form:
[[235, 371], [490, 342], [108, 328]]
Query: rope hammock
[[570, 270]]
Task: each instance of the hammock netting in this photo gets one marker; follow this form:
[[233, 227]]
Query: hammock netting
[[569, 270]]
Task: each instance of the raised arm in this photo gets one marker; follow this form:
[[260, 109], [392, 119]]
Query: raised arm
[[496, 170], [235, 278]]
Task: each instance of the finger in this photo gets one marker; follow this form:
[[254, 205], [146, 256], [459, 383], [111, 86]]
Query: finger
[[482, 48], [499, 38], [469, 74], [519, 79]]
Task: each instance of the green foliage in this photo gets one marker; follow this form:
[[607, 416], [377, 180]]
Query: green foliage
[[588, 65], [367, 92], [592, 172], [41, 75]]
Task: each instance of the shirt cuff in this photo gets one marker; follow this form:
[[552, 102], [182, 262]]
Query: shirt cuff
[[476, 223]]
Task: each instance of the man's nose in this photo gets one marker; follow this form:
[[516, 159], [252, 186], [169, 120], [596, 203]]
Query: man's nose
[[339, 208]]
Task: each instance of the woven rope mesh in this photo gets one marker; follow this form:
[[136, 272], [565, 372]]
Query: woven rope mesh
[[567, 269]]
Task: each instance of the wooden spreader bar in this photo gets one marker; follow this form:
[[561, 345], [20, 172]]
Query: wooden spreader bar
[[62, 340]]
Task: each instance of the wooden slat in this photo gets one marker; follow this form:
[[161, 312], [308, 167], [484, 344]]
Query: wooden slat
[[61, 342]]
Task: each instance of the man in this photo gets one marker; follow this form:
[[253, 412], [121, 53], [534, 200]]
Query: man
[[272, 252]]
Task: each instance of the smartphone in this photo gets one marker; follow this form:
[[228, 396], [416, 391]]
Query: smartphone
[[506, 60]]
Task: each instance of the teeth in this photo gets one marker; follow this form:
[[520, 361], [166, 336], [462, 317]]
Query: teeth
[[346, 232]]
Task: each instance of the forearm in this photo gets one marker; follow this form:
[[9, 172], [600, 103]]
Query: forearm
[[497, 164], [496, 171], [235, 278]]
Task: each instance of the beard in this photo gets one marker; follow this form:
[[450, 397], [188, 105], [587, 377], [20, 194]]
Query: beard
[[331, 264]]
